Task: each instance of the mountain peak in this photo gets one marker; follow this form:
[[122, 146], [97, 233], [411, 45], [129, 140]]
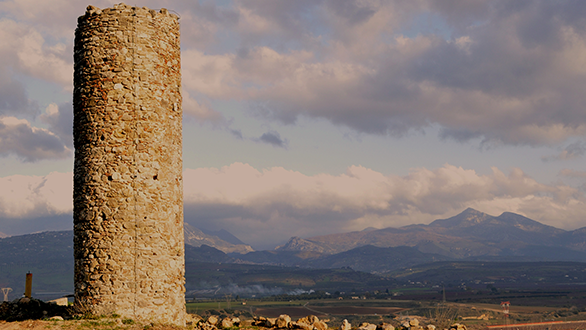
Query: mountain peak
[[468, 217], [471, 211]]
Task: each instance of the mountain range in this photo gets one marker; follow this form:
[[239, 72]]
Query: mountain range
[[470, 234], [470, 237]]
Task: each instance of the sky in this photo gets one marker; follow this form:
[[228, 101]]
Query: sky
[[312, 117]]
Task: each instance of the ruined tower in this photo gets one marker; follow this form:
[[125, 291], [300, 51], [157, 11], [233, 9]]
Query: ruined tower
[[128, 190]]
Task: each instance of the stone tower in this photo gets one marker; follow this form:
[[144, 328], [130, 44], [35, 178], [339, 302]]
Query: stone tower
[[128, 190]]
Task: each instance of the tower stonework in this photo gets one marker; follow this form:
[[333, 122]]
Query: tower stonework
[[128, 189]]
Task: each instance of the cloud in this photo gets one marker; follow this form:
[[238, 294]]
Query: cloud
[[509, 74], [60, 120], [202, 112], [25, 51], [36, 196], [572, 151], [237, 134], [273, 138], [19, 138], [572, 173], [497, 71]]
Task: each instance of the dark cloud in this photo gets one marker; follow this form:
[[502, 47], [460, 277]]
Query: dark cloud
[[274, 138], [353, 12], [18, 137], [13, 97], [236, 133]]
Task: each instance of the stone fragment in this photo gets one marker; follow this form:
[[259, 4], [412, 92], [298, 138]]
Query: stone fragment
[[213, 320], [236, 321], [193, 319], [320, 325], [283, 321], [386, 326], [301, 325], [367, 326], [458, 326], [345, 325], [270, 322], [227, 323]]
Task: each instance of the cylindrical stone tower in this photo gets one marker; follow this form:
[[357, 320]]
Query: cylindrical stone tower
[[128, 191]]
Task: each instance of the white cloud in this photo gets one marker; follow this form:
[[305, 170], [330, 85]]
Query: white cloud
[[572, 151], [33, 196]]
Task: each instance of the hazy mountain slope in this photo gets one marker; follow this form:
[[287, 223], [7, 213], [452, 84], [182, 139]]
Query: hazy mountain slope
[[575, 239], [196, 237], [447, 245], [205, 253], [2, 235], [300, 244], [224, 235], [468, 234]]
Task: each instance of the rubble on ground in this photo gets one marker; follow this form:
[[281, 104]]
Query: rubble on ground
[[31, 309]]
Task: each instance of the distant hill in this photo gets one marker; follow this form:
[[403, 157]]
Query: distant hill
[[374, 259], [48, 256], [468, 234], [479, 274], [2, 235], [196, 237]]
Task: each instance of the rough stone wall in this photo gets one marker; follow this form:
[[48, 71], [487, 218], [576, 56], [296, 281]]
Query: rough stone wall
[[128, 191]]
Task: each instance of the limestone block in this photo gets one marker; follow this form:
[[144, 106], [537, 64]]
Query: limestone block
[[227, 323], [283, 321], [213, 320], [367, 326], [345, 325]]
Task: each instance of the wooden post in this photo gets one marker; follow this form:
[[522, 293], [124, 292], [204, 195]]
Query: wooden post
[[29, 285]]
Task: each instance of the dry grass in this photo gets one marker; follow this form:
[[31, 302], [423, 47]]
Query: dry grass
[[443, 316]]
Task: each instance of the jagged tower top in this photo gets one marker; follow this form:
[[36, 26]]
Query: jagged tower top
[[121, 7]]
